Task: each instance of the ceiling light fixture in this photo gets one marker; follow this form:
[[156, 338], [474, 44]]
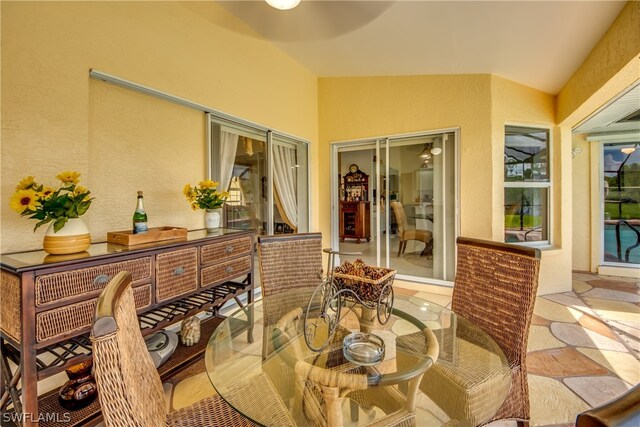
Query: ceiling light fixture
[[429, 151], [628, 150], [283, 4]]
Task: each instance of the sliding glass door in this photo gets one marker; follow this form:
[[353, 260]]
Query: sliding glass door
[[621, 207], [411, 198], [266, 175]]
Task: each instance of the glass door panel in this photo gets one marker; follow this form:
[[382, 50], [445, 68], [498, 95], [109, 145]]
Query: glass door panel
[[290, 189], [421, 177], [242, 171], [621, 191]]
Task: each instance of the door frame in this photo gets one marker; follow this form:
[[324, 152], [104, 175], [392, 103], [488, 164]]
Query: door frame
[[374, 143]]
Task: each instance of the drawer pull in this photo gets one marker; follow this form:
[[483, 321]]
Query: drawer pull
[[178, 271], [228, 270], [101, 279], [228, 249]]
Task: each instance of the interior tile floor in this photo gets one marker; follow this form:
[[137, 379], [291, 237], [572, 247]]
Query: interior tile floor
[[584, 349]]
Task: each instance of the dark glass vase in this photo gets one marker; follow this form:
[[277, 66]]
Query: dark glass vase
[[81, 389]]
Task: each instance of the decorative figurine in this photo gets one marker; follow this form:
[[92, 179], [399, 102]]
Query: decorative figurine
[[190, 331]]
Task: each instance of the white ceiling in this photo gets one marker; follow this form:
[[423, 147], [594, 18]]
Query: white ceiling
[[537, 43]]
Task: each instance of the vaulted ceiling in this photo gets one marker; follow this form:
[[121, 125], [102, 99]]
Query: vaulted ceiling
[[537, 43]]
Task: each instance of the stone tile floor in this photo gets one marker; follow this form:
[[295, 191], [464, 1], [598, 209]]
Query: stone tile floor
[[584, 349]]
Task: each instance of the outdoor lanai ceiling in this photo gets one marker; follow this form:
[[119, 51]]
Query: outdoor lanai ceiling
[[537, 43]]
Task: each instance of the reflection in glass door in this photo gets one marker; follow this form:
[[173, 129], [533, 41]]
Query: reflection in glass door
[[621, 195], [266, 175], [410, 184]]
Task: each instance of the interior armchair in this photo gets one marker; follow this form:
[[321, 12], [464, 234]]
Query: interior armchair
[[407, 232], [129, 387]]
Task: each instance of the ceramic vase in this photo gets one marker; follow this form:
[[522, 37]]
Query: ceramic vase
[[212, 219], [74, 237], [81, 389]]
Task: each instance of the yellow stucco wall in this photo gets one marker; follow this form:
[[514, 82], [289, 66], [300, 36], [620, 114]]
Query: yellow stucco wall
[[481, 105], [55, 118], [581, 200]]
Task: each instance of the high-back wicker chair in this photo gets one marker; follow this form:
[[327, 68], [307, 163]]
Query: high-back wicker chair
[[290, 270], [495, 289], [406, 232], [129, 387]]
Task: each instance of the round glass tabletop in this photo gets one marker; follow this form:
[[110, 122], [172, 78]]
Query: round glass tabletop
[[275, 368]]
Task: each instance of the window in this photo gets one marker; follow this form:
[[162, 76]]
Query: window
[[527, 185], [266, 174]]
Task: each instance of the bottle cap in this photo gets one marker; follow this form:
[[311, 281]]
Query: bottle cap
[[139, 193]]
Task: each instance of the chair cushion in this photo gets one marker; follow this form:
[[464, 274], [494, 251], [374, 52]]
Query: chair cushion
[[465, 390], [422, 235], [214, 411]]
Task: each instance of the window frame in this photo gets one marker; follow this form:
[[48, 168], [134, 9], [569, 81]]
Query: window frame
[[548, 184]]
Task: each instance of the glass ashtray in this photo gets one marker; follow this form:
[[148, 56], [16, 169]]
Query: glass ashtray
[[363, 349]]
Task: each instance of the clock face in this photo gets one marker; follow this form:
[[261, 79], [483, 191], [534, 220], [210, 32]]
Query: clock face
[[353, 168]]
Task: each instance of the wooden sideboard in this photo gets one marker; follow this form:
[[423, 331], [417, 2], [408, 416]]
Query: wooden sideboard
[[355, 221], [47, 306]]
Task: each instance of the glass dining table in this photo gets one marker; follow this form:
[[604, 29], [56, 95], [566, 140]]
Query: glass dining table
[[313, 379]]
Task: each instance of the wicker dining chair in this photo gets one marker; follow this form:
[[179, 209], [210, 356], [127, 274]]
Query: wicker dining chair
[[290, 270], [407, 232], [495, 288], [129, 387], [320, 392]]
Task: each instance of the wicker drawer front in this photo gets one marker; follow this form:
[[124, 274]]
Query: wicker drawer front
[[59, 286], [10, 305], [225, 270], [176, 273], [220, 251], [76, 317]]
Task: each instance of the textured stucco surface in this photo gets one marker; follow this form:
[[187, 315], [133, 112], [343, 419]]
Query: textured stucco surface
[[618, 51], [55, 118]]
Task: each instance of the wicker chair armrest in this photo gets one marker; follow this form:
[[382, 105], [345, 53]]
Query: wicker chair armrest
[[104, 322]]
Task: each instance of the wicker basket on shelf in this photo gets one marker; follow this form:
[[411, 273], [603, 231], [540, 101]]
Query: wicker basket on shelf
[[368, 290]]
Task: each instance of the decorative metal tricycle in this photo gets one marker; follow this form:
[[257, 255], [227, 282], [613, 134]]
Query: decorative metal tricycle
[[340, 291]]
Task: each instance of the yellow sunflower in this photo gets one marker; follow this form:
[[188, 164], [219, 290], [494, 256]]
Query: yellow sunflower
[[25, 183], [208, 184], [68, 177], [80, 189], [194, 206], [46, 193], [187, 190], [23, 200]]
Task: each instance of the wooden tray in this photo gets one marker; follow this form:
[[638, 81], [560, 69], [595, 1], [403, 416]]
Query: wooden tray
[[155, 234]]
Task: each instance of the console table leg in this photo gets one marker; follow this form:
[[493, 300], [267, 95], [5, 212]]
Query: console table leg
[[8, 386], [249, 301], [28, 368]]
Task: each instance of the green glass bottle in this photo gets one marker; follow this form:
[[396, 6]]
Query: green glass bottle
[[140, 217]]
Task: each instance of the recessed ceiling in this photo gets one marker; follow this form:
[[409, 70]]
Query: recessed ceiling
[[537, 43]]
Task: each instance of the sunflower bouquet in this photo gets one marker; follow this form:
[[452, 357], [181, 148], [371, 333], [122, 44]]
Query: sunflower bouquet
[[205, 195], [46, 204]]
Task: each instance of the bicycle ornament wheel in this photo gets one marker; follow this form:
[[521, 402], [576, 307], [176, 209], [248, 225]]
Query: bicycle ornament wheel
[[322, 316], [385, 304]]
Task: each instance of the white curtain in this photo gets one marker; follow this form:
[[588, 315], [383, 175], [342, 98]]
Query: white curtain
[[229, 145], [284, 177]]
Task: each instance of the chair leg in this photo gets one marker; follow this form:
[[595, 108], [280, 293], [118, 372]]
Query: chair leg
[[355, 410], [404, 246], [400, 248], [523, 423]]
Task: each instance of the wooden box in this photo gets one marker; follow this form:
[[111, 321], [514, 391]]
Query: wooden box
[[154, 234]]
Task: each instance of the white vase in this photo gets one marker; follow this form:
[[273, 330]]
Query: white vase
[[74, 237], [212, 219]]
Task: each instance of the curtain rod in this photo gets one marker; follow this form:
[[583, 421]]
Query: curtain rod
[[136, 87]]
